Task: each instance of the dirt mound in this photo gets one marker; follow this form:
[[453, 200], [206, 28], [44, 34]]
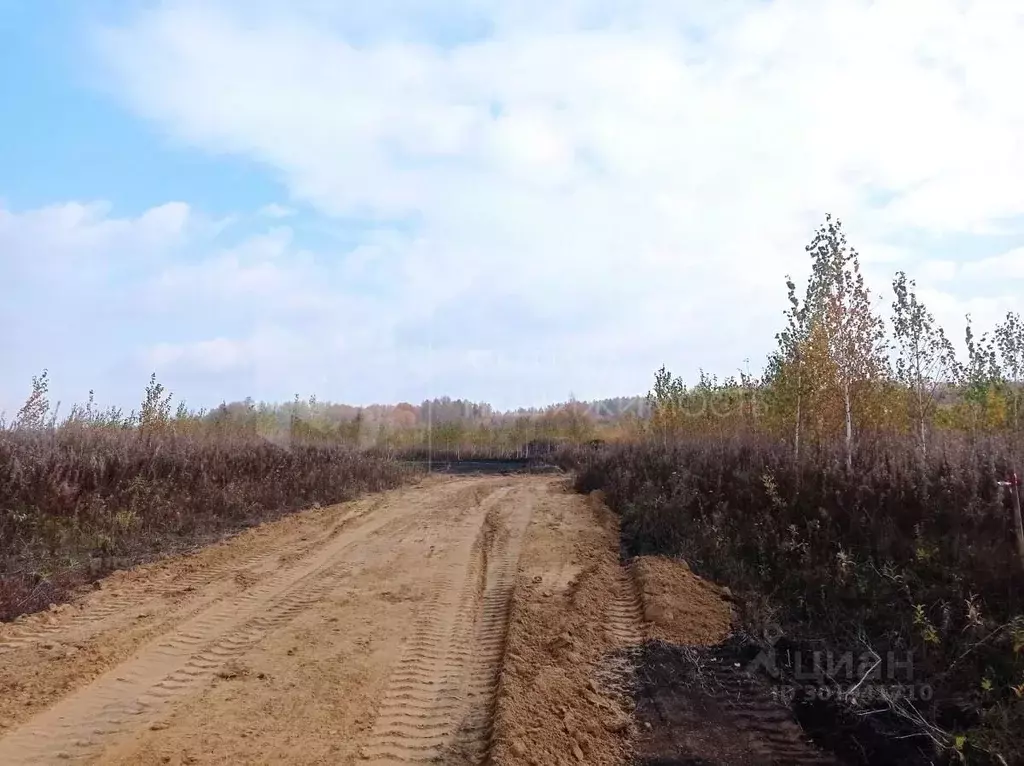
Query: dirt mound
[[679, 606]]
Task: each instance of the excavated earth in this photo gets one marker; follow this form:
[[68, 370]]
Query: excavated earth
[[463, 620]]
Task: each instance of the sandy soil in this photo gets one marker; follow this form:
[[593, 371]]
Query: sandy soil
[[360, 632], [463, 620], [563, 696], [680, 607], [369, 632]]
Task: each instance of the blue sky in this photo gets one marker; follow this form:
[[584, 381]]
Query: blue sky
[[68, 139], [383, 202]]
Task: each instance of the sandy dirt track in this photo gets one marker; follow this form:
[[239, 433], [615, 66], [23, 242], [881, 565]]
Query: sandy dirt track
[[369, 632]]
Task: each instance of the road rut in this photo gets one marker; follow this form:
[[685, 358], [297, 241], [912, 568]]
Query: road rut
[[367, 632]]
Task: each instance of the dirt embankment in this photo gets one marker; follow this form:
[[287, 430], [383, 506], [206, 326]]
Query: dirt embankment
[[578, 628]]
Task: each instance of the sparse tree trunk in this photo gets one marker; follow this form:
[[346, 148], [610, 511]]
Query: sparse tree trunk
[[849, 425], [799, 415], [1018, 523], [920, 421], [919, 389]]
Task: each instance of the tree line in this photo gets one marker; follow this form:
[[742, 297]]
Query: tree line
[[840, 371]]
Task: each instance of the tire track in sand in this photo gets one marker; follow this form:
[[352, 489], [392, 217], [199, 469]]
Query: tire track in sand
[[140, 595], [624, 611], [137, 692], [473, 738], [439, 702]]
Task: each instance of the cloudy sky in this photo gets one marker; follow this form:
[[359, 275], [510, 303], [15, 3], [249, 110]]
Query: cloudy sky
[[504, 201]]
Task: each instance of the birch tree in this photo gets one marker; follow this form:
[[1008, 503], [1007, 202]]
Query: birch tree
[[840, 307], [786, 366], [665, 403], [1010, 342], [924, 356], [980, 377], [33, 412]]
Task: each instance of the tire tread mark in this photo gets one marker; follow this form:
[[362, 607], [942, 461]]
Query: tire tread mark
[[88, 621], [624, 611], [440, 699], [137, 691]]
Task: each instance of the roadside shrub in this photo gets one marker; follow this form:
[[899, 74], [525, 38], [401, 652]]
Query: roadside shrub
[[894, 555], [77, 501]]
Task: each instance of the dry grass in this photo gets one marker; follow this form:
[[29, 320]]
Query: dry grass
[[79, 500]]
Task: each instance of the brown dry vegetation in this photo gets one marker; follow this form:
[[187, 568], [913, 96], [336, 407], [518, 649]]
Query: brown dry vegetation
[[894, 555], [101, 490], [78, 502]]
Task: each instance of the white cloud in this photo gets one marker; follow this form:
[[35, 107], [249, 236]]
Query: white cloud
[[273, 210], [789, 101], [998, 268], [75, 230], [217, 355], [610, 184]]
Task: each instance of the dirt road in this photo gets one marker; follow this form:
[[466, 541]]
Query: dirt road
[[369, 632]]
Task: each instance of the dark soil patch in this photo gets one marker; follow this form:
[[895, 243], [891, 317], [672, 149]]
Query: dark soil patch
[[699, 707], [484, 466], [707, 706]]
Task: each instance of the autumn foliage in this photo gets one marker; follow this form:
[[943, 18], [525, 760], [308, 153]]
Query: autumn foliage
[[854, 496]]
